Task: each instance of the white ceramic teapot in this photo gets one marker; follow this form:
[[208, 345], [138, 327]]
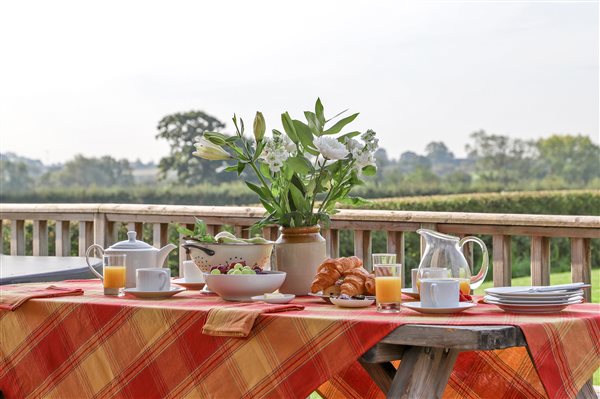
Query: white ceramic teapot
[[139, 255]]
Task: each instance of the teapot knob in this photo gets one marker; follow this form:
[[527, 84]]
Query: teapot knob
[[131, 236]]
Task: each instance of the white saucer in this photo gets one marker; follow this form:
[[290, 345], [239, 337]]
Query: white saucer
[[280, 299], [193, 286], [419, 308], [411, 293], [154, 294], [352, 303]]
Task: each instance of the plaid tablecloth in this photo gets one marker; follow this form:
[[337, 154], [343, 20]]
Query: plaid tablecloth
[[97, 346]]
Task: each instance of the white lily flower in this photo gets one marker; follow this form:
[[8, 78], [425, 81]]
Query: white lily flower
[[207, 150], [330, 148]]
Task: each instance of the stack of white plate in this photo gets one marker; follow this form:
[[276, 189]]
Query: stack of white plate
[[536, 299]]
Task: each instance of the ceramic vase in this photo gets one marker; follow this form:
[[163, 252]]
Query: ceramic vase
[[299, 251]]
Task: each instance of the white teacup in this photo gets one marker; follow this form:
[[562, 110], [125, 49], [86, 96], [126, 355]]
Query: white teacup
[[153, 279], [439, 293], [191, 272]]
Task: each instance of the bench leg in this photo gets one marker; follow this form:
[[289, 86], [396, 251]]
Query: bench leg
[[423, 372], [382, 374]]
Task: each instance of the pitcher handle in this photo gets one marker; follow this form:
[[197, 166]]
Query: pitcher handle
[[87, 258], [477, 280]]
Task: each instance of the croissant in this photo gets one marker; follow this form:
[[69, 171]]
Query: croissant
[[331, 270], [370, 284], [354, 282], [325, 277]]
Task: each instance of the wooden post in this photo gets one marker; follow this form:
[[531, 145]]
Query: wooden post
[[237, 230], [112, 233], [540, 260], [182, 253], [62, 240], [212, 229], [581, 265], [138, 228], [501, 260], [362, 247], [100, 229], [1, 237], [395, 245], [40, 238], [86, 236], [160, 234], [334, 243], [17, 237]]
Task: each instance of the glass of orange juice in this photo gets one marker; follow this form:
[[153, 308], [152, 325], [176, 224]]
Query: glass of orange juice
[[113, 277], [388, 287]]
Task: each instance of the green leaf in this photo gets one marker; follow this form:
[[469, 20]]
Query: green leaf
[[320, 112], [232, 168], [258, 190], [304, 135], [313, 123], [265, 171], [184, 231], [298, 198], [288, 126], [369, 170], [339, 125], [344, 137], [240, 167], [295, 180], [299, 164]]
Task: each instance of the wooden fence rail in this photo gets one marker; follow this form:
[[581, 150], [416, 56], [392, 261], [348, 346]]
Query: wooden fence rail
[[99, 223]]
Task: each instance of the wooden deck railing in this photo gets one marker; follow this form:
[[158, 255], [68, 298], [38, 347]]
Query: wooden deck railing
[[99, 223]]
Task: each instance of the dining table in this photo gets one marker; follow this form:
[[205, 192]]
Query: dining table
[[88, 345]]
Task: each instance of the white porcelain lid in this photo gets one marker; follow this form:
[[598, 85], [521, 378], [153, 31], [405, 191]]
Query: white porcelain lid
[[131, 243]]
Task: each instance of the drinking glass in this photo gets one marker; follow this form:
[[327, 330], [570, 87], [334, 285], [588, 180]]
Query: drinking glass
[[384, 259], [388, 287], [430, 272], [113, 274]]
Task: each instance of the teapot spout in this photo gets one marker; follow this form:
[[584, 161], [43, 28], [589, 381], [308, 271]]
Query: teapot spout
[[162, 253]]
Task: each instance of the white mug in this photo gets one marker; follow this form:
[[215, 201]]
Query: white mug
[[153, 279], [439, 293], [192, 273]]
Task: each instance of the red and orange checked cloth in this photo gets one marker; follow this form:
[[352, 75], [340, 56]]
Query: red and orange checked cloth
[[11, 300], [98, 346], [237, 320]]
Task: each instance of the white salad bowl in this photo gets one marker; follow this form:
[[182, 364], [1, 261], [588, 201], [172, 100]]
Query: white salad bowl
[[242, 287], [206, 255]]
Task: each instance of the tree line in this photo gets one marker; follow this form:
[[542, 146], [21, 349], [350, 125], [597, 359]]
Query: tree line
[[557, 161]]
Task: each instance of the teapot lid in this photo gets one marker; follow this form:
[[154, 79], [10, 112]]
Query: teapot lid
[[131, 243]]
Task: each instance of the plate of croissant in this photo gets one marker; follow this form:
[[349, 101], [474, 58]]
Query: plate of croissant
[[343, 277]]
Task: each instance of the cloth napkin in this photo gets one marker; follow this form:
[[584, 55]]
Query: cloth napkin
[[11, 301], [238, 320], [464, 297]]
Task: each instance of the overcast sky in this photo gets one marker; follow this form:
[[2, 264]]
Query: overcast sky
[[96, 77]]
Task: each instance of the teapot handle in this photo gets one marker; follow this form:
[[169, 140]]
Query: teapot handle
[[87, 258], [477, 280]]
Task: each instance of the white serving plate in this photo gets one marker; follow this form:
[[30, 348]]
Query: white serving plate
[[534, 301], [411, 293], [285, 298], [531, 308], [352, 303], [154, 294], [420, 308], [518, 292], [189, 285]]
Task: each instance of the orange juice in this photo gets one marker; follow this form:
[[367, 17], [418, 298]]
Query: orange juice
[[388, 289], [114, 276]]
